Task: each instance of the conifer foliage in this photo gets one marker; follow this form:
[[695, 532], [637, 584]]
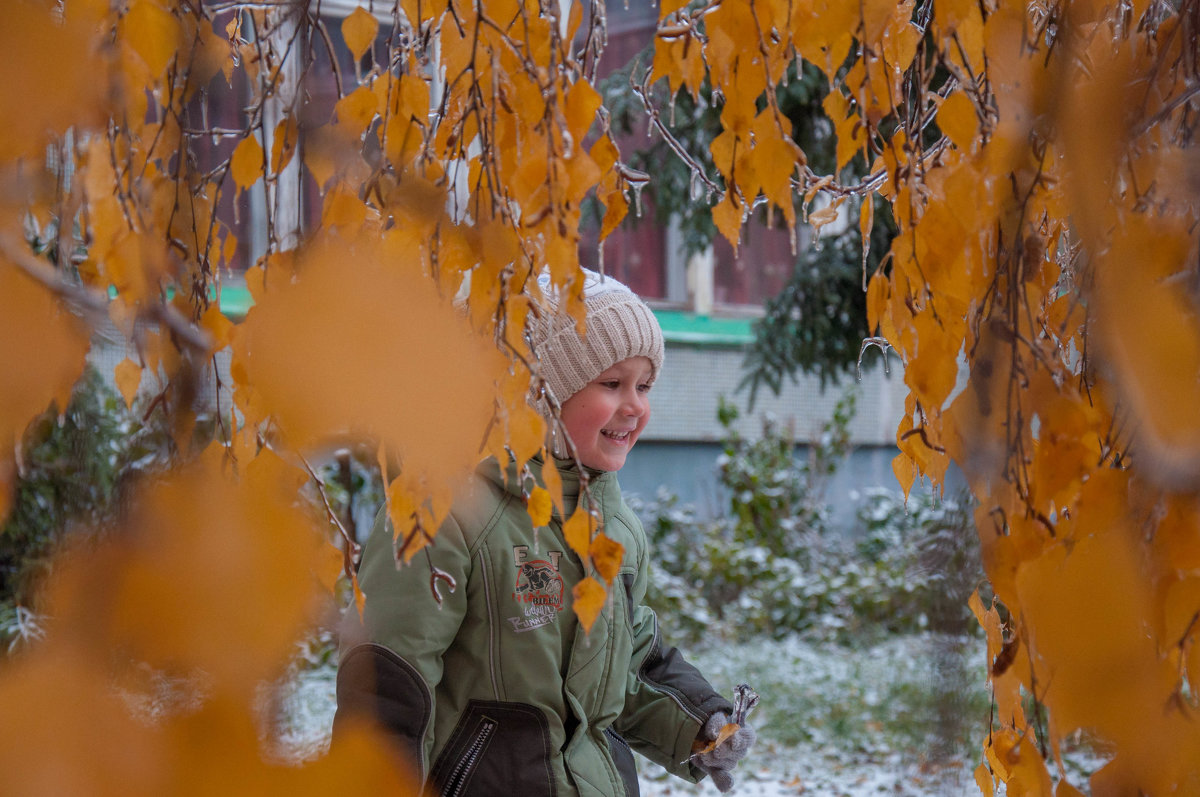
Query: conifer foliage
[[1038, 161]]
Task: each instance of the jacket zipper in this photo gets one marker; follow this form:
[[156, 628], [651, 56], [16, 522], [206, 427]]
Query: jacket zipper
[[466, 764]]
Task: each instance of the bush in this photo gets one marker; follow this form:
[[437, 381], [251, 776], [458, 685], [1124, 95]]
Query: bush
[[72, 470], [771, 565]]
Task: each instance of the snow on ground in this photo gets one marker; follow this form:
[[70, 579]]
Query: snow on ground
[[902, 717]]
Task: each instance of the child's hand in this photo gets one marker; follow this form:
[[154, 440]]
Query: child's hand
[[727, 744], [724, 740]]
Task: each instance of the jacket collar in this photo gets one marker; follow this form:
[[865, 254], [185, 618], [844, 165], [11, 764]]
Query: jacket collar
[[602, 487]]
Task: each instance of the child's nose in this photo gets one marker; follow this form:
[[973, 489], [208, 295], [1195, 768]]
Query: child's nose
[[636, 404]]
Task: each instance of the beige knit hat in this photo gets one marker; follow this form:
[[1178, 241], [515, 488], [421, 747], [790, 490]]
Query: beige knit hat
[[619, 325]]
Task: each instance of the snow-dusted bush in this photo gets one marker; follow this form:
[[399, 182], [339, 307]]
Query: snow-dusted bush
[[771, 565]]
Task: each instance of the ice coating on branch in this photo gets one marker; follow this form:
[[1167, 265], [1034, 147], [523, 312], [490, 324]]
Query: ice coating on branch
[[437, 574]]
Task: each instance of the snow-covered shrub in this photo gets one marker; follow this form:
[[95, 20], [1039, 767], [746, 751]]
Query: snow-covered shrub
[[771, 565]]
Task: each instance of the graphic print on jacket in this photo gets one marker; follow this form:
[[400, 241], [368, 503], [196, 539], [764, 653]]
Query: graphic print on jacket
[[538, 591]]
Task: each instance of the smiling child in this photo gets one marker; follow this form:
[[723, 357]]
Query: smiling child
[[497, 690]]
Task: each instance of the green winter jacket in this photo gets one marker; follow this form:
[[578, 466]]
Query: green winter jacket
[[498, 690]]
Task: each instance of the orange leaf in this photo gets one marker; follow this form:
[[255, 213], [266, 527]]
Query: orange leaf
[[246, 164], [54, 90], [42, 357], [552, 480], [217, 325], [727, 730], [540, 507], [359, 29], [153, 33], [355, 111], [826, 215], [582, 101], [328, 374], [727, 215], [957, 118], [128, 376], [866, 220], [607, 554], [905, 471], [589, 596], [283, 143], [983, 779], [879, 290], [578, 532]]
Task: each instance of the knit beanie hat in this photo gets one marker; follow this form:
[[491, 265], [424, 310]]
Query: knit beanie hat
[[619, 325]]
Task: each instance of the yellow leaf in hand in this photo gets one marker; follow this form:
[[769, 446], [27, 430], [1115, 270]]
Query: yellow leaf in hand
[[727, 730]]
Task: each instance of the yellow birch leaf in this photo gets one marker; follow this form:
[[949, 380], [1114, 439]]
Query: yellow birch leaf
[[616, 208], [851, 135], [581, 104], [932, 373], [866, 220], [329, 567], [824, 216], [607, 554], [957, 119], [153, 33], [246, 163], [540, 507], [328, 376], [256, 283], [589, 596], [578, 532], [727, 730], [283, 143], [905, 471], [359, 30], [526, 428], [343, 208], [228, 248], [727, 215], [42, 356], [128, 376], [983, 779], [355, 111], [217, 325], [552, 480], [52, 91]]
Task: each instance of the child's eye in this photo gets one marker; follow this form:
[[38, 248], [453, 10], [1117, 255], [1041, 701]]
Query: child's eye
[[611, 384], [645, 388]]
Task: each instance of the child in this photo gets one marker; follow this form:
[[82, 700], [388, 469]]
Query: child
[[497, 690]]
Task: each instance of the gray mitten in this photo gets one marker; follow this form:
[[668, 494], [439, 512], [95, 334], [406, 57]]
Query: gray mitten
[[719, 762]]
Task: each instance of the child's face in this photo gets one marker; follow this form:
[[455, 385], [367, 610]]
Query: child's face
[[608, 415]]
